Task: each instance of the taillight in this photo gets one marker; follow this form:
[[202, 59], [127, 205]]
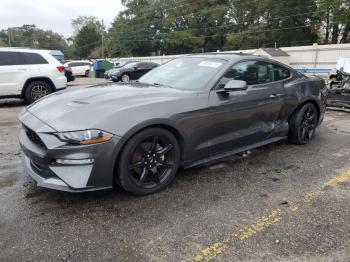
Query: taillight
[[60, 68]]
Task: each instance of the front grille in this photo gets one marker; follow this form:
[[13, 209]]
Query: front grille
[[34, 137], [42, 171]]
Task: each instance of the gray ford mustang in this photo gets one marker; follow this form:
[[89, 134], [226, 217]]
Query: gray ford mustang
[[189, 111]]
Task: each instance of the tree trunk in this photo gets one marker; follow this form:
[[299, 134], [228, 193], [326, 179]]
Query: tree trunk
[[327, 28], [345, 33], [335, 34]]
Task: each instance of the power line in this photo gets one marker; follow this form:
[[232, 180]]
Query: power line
[[186, 3], [237, 24], [209, 36], [221, 35], [196, 37]]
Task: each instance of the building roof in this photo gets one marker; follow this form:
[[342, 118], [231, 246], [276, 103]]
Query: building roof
[[224, 56], [275, 52]]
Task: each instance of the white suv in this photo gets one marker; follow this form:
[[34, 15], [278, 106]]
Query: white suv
[[29, 74], [80, 68]]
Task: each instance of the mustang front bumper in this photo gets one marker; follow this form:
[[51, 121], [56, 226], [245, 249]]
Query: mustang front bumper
[[42, 150]]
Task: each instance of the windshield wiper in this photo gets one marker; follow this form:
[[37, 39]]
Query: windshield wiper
[[157, 84]]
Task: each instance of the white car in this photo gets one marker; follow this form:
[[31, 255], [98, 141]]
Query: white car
[[29, 74], [80, 68]]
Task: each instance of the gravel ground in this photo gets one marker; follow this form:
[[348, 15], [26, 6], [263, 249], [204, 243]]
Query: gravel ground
[[282, 202]]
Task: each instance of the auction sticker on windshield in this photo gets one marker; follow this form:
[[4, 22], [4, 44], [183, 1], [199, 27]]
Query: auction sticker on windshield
[[210, 64]]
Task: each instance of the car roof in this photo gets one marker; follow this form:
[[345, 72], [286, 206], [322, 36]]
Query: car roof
[[21, 49], [236, 57]]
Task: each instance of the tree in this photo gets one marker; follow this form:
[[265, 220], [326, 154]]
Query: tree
[[174, 26], [88, 32], [32, 37], [81, 21], [335, 15], [87, 39]]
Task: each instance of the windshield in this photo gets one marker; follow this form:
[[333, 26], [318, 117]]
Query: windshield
[[131, 65], [121, 64], [184, 73]]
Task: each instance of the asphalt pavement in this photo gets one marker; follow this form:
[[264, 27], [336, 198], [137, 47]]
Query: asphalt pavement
[[281, 202]]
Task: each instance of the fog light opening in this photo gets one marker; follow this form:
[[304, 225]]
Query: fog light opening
[[75, 161]]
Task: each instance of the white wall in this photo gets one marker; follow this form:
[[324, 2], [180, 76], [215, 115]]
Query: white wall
[[318, 56], [282, 59]]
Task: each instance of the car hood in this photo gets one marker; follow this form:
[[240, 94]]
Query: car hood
[[102, 106]]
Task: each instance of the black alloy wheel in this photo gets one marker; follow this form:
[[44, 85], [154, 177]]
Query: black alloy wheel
[[309, 123], [149, 161], [303, 124]]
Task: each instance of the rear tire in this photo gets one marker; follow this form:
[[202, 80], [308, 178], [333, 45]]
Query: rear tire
[[149, 161], [87, 73], [303, 124], [36, 90]]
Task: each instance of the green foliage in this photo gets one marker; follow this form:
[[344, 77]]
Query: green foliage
[[81, 21], [147, 27], [173, 27], [33, 37], [88, 38], [336, 20], [86, 41]]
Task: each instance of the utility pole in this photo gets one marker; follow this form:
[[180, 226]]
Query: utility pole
[[8, 33], [103, 55]]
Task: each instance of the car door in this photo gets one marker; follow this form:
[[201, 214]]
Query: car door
[[79, 68], [142, 68], [13, 73], [240, 119]]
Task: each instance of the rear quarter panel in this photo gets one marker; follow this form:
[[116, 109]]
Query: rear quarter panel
[[300, 89]]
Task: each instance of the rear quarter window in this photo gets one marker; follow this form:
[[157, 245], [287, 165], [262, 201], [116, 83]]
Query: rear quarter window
[[33, 59], [280, 73]]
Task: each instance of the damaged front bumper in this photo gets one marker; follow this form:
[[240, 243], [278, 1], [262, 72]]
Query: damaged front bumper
[[56, 165]]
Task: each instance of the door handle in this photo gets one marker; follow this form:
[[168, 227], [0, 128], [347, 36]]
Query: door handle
[[22, 69], [276, 95]]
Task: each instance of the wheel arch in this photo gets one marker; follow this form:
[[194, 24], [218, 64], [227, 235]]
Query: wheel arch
[[126, 138], [39, 78], [312, 101]]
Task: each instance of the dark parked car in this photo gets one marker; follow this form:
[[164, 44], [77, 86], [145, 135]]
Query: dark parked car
[[186, 112], [69, 74], [116, 68], [132, 71]]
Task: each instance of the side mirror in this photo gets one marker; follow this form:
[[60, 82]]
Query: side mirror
[[234, 85], [135, 68]]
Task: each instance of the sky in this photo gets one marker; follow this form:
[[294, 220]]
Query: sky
[[55, 15]]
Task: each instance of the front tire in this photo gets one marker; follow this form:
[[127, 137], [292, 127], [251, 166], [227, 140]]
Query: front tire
[[125, 78], [87, 73], [149, 161], [303, 124], [36, 90]]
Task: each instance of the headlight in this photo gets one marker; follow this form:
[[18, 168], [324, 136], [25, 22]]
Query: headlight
[[86, 137]]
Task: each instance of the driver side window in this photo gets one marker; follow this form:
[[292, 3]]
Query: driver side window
[[253, 72]]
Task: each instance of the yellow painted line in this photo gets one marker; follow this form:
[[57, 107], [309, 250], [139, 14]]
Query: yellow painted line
[[339, 179], [261, 224], [214, 250]]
